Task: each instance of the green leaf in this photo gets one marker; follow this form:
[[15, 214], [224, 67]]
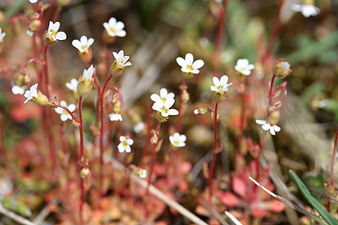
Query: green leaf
[[315, 204]]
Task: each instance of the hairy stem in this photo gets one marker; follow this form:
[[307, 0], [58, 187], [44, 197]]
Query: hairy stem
[[214, 151], [101, 103]]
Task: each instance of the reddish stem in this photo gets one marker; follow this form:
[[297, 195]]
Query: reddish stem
[[214, 151], [81, 158], [101, 102], [333, 157], [45, 68]]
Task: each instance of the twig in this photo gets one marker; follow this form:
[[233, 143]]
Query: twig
[[161, 196], [232, 218], [289, 203], [43, 213], [15, 217]]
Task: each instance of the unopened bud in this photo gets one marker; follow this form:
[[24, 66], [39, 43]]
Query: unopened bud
[[201, 110], [84, 172], [84, 87], [274, 117]]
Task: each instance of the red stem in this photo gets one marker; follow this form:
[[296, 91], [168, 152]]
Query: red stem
[[214, 151], [101, 102], [45, 68], [81, 158], [271, 92]]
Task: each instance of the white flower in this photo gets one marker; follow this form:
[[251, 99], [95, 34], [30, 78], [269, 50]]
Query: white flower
[[220, 86], [33, 1], [31, 93], [115, 117], [178, 140], [196, 111], [139, 127], [18, 90], [188, 65], [266, 126], [88, 73], [72, 85], [115, 28], [307, 9], [53, 35], [2, 35], [142, 173], [29, 33], [243, 67], [83, 44], [121, 60], [164, 107], [64, 115], [125, 144], [164, 96]]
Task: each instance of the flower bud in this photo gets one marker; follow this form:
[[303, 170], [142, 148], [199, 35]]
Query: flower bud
[[34, 25], [283, 68], [41, 99], [274, 117], [23, 79], [84, 87], [84, 172], [201, 110]]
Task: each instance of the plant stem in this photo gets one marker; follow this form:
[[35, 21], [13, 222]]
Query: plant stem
[[81, 158], [333, 157], [214, 151], [270, 95], [45, 68], [101, 102]]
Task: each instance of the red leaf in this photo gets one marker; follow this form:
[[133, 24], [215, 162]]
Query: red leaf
[[239, 186], [274, 206], [229, 199]]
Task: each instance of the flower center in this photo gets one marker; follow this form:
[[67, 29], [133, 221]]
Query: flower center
[[124, 143], [163, 99], [112, 30], [164, 110], [176, 142], [220, 87], [52, 33], [190, 67]]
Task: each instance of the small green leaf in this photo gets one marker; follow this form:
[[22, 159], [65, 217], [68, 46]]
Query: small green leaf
[[320, 209]]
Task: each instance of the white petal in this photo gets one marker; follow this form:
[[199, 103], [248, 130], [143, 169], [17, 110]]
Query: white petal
[[173, 112], [71, 107], [272, 131], [276, 128], [61, 36], [155, 97], [112, 21], [266, 126], [128, 149], [121, 33], [59, 110], [224, 79], [130, 141], [76, 44], [215, 81], [163, 92], [198, 64], [181, 62], [261, 122], [122, 138], [189, 58], [64, 117], [120, 147], [90, 42], [119, 25]]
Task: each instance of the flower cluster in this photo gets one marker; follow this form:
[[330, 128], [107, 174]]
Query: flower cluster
[[163, 103]]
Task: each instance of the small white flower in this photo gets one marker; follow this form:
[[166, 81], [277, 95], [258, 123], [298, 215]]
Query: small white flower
[[139, 127], [178, 140], [266, 126], [2, 35], [88, 73], [115, 117], [164, 96], [125, 144], [307, 9], [115, 28], [188, 65], [31, 93], [18, 90], [64, 115], [29, 33], [196, 111], [72, 85], [121, 59], [83, 44], [53, 35], [322, 103], [243, 67], [164, 107], [33, 1], [142, 173], [220, 86]]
